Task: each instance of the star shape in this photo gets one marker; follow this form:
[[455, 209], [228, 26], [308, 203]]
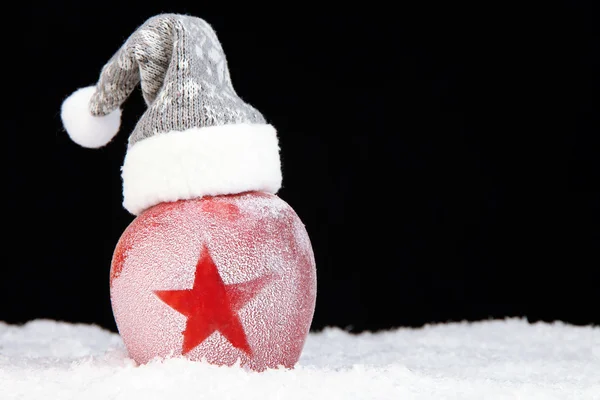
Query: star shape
[[211, 306]]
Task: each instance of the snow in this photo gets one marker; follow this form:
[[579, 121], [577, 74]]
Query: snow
[[495, 359]]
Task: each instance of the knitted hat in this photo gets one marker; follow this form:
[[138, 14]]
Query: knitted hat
[[196, 138]]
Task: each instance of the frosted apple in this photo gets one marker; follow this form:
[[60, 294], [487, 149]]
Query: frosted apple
[[222, 278]]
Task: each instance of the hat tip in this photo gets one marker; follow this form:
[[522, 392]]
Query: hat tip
[[84, 128]]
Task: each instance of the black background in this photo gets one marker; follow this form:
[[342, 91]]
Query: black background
[[444, 160]]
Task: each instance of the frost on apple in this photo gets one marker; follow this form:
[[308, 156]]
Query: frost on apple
[[250, 237]]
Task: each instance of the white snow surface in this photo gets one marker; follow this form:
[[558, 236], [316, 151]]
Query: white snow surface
[[494, 359]]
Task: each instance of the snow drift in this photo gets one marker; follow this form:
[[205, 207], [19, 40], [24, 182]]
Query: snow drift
[[496, 359]]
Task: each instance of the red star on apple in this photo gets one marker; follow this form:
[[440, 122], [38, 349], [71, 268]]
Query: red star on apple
[[211, 306]]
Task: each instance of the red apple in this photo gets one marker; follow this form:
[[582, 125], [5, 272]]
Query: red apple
[[222, 278]]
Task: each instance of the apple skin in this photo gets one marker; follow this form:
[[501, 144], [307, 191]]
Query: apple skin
[[249, 236]]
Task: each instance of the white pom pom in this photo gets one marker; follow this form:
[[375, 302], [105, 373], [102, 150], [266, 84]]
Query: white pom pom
[[84, 128]]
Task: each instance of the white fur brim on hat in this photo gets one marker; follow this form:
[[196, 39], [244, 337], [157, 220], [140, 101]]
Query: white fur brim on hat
[[84, 128], [198, 162]]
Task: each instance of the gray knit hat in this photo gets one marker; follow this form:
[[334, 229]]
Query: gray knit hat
[[196, 138]]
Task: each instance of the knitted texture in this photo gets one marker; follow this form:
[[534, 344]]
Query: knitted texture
[[184, 77]]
